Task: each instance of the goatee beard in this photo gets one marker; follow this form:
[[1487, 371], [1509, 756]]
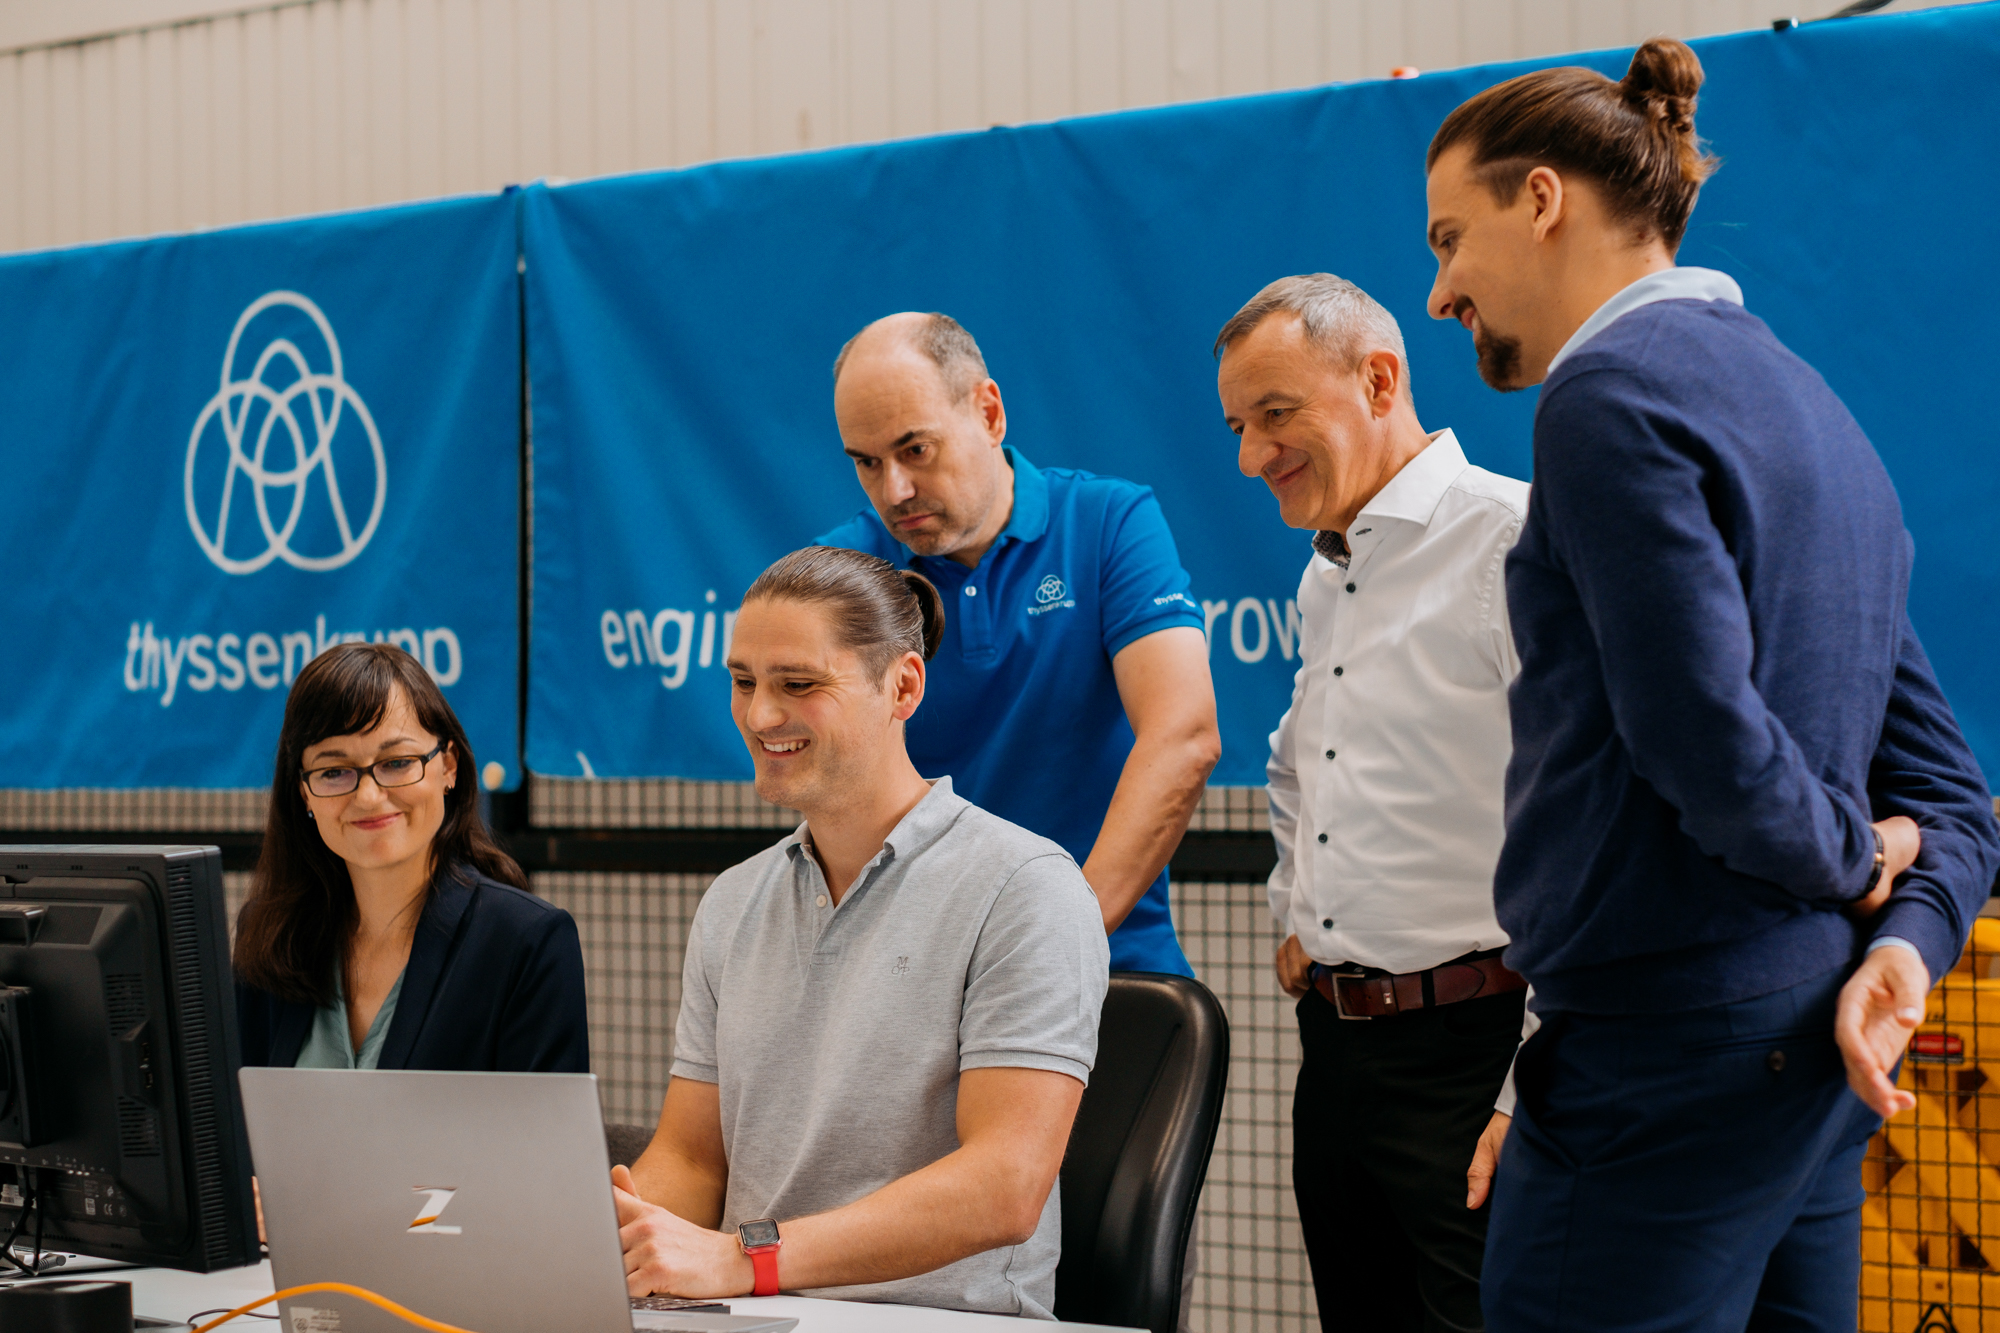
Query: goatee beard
[[1499, 360]]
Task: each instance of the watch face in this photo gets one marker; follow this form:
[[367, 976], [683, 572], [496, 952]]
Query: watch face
[[761, 1232]]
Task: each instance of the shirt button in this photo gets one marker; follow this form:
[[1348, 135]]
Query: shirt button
[[1329, 754], [820, 901], [1350, 587], [1322, 837], [971, 591], [1337, 671], [1326, 924]]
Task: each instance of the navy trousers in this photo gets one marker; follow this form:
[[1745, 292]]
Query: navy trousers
[[1696, 1172]]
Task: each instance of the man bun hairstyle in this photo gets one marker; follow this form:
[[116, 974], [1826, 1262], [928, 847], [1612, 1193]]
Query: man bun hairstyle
[[877, 610], [1634, 138]]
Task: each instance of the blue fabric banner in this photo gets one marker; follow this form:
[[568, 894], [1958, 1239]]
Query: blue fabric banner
[[224, 452], [682, 325]]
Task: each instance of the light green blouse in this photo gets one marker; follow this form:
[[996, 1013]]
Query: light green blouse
[[329, 1045]]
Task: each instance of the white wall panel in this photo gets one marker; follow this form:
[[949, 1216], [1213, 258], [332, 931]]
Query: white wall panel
[[128, 117]]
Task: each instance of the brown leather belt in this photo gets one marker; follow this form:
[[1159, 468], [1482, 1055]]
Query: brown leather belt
[[1367, 993]]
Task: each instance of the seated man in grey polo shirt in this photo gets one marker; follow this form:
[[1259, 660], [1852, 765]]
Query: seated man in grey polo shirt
[[887, 1019]]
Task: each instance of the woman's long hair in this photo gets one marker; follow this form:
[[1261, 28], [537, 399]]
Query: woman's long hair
[[294, 929]]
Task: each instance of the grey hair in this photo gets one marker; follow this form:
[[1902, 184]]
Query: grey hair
[[949, 347], [1342, 321]]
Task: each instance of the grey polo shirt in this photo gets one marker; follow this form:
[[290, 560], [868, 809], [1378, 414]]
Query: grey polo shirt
[[837, 1034]]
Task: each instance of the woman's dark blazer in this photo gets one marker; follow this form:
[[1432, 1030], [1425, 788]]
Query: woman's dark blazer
[[494, 982]]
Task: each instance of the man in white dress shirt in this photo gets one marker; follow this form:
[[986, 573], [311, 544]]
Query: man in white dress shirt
[[1386, 777]]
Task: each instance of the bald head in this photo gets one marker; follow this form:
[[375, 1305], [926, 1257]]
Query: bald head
[[938, 339], [924, 424]]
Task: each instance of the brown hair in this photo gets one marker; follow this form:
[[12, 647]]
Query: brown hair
[[877, 610], [1634, 138], [294, 928]]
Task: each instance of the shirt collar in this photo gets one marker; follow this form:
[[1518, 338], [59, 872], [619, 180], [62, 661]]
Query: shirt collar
[[1030, 518], [1413, 493], [923, 825], [1669, 284]]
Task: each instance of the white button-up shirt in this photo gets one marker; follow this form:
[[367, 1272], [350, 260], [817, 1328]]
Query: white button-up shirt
[[1387, 773]]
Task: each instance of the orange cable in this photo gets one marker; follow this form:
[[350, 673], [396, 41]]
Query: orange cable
[[347, 1289]]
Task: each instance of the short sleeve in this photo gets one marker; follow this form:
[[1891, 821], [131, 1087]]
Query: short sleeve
[[1143, 586], [694, 1035], [1035, 987]]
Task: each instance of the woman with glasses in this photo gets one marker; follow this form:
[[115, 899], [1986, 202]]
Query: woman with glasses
[[384, 928]]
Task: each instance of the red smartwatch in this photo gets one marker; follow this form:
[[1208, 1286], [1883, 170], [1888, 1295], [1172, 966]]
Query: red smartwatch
[[759, 1240]]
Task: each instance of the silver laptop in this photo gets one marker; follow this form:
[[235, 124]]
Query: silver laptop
[[481, 1200]]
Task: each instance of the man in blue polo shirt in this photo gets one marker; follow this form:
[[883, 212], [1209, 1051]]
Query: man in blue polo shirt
[[1071, 693]]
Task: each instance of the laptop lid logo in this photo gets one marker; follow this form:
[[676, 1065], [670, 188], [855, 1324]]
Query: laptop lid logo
[[435, 1202]]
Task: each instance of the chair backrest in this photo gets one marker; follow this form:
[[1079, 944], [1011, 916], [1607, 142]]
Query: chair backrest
[[1131, 1179], [624, 1144]]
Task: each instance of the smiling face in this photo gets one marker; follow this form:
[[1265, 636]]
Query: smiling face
[[822, 729], [374, 828], [929, 461], [1487, 276], [1314, 432]]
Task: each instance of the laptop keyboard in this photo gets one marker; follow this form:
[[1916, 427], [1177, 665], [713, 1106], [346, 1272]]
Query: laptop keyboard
[[677, 1303]]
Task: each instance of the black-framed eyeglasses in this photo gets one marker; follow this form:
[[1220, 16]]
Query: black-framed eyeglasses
[[402, 770]]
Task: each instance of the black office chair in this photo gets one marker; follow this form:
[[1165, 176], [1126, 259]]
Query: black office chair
[[1131, 1179], [624, 1143]]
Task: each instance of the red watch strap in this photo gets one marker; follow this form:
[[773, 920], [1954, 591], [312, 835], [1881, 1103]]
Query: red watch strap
[[764, 1262]]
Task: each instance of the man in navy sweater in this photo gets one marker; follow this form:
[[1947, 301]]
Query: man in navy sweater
[[1744, 833]]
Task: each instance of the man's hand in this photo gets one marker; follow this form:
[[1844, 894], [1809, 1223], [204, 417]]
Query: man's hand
[[672, 1256], [1486, 1159], [1293, 967], [1880, 1006], [1901, 841]]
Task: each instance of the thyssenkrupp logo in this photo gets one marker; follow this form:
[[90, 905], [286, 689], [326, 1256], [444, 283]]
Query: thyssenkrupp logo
[[276, 424]]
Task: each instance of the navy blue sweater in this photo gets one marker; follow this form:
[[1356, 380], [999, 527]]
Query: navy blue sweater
[[1720, 688]]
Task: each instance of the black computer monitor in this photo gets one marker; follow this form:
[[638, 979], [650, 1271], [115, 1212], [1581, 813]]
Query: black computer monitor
[[121, 1130]]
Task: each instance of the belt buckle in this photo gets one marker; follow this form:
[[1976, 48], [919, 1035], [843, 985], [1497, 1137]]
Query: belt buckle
[[1334, 977]]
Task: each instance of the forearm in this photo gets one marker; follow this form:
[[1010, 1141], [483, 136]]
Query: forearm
[[1158, 790], [687, 1188], [960, 1205], [1924, 770]]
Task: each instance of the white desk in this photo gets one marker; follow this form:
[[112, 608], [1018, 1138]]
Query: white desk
[[163, 1293]]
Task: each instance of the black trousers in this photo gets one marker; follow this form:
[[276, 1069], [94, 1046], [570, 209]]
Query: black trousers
[[1387, 1115]]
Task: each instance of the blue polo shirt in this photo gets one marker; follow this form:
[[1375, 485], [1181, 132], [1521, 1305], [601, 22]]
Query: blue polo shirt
[[1021, 708]]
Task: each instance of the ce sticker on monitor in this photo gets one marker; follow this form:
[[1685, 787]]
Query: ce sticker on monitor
[[482, 1200]]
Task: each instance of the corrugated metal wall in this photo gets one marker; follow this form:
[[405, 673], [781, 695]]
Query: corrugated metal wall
[[326, 104]]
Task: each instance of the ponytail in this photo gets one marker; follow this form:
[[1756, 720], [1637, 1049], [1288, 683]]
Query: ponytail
[[930, 606]]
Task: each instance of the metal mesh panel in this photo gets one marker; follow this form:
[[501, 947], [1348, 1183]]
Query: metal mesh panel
[[1253, 1271], [651, 803], [634, 931], [671, 803], [1232, 810], [235, 888], [1930, 1230], [165, 809]]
